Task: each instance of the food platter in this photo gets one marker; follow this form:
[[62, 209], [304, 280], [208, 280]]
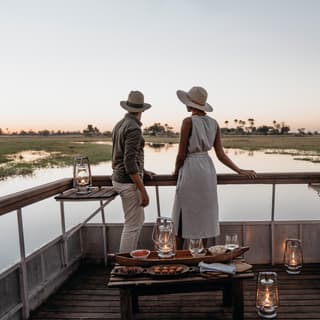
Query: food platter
[[127, 271], [167, 270], [181, 257]]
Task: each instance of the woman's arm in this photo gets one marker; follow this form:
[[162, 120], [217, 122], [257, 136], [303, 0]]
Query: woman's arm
[[185, 132], [226, 160]]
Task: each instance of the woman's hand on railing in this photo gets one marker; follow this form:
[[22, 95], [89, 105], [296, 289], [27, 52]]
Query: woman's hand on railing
[[251, 174]]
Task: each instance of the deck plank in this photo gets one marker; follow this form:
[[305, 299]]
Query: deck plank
[[86, 296]]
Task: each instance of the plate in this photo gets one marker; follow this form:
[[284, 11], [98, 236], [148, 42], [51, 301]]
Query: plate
[[167, 270], [127, 271]]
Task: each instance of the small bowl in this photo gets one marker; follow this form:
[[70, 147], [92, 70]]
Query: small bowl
[[140, 254], [219, 249]]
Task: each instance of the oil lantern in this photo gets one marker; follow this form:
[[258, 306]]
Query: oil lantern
[[82, 179], [293, 256], [267, 298]]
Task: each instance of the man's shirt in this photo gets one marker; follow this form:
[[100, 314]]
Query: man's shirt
[[127, 149]]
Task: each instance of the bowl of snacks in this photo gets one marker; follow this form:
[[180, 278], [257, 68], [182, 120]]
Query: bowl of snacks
[[140, 254], [219, 249]]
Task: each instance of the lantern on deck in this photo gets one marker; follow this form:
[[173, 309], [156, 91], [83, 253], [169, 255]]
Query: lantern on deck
[[82, 179], [293, 256], [267, 299]]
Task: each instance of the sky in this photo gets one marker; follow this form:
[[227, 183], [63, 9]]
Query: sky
[[68, 63]]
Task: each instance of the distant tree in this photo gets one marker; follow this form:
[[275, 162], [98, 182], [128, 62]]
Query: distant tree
[[1, 132], [301, 131], [264, 129], [284, 128], [155, 130], [252, 127], [44, 132], [91, 131], [226, 123], [31, 133]]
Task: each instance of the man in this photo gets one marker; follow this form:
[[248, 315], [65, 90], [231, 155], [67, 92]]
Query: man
[[128, 169]]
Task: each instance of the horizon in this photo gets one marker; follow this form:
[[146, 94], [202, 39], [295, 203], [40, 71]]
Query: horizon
[[65, 65]]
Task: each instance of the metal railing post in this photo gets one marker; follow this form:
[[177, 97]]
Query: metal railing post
[[158, 201], [272, 223], [104, 234], [64, 235], [23, 268]]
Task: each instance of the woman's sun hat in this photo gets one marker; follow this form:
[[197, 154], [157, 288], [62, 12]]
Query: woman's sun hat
[[196, 98], [135, 102]]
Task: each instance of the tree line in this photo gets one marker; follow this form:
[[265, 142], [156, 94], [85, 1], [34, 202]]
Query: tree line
[[238, 127], [249, 127]]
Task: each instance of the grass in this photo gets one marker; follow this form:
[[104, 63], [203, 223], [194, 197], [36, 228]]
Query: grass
[[64, 149], [300, 143]]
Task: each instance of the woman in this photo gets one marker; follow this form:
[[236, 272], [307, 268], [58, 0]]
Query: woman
[[195, 210]]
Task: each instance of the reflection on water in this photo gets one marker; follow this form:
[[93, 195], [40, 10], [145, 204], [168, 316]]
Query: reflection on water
[[159, 146], [236, 202]]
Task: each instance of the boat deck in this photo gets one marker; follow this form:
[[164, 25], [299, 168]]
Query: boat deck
[[86, 296]]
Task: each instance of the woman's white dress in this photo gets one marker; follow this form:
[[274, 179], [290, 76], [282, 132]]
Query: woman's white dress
[[196, 201]]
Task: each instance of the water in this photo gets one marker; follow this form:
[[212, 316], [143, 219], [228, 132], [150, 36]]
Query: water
[[236, 202]]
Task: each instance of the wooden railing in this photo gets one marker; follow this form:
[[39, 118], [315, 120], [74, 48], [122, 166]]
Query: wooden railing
[[23, 198]]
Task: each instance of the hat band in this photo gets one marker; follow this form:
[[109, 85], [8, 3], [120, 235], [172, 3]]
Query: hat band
[[135, 105], [196, 102]]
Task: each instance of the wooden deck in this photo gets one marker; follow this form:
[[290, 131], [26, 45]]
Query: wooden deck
[[85, 296]]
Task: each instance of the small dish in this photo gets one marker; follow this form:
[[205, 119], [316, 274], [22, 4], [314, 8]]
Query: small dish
[[219, 249], [140, 254], [199, 254]]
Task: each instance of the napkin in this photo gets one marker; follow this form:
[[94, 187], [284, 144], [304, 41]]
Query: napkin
[[217, 267]]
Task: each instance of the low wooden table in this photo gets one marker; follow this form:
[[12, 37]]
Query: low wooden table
[[131, 288]]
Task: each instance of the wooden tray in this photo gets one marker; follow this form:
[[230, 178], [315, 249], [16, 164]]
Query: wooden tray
[[181, 257]]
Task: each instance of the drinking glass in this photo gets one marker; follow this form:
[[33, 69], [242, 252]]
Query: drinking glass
[[232, 241], [196, 247]]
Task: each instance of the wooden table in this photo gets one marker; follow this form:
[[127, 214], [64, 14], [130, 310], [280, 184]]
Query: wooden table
[[104, 195], [132, 288]]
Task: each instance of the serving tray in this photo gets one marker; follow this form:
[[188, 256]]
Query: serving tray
[[181, 257]]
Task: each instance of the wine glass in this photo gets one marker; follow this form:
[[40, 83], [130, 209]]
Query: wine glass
[[196, 247], [232, 241]]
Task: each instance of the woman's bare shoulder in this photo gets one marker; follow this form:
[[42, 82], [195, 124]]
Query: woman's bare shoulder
[[187, 121]]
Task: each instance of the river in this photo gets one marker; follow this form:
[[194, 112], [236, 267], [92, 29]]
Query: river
[[236, 202]]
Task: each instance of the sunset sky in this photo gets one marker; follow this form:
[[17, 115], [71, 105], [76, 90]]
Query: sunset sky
[[67, 63]]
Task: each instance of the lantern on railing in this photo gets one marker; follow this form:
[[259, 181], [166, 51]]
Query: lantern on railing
[[267, 299], [82, 179], [293, 256], [163, 237]]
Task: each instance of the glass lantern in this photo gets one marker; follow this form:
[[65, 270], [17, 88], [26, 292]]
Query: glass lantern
[[82, 179], [293, 256], [163, 236], [267, 299]]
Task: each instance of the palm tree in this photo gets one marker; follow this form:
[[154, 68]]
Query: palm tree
[[226, 123]]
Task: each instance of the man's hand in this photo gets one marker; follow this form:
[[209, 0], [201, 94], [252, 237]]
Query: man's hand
[[144, 198], [149, 174]]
